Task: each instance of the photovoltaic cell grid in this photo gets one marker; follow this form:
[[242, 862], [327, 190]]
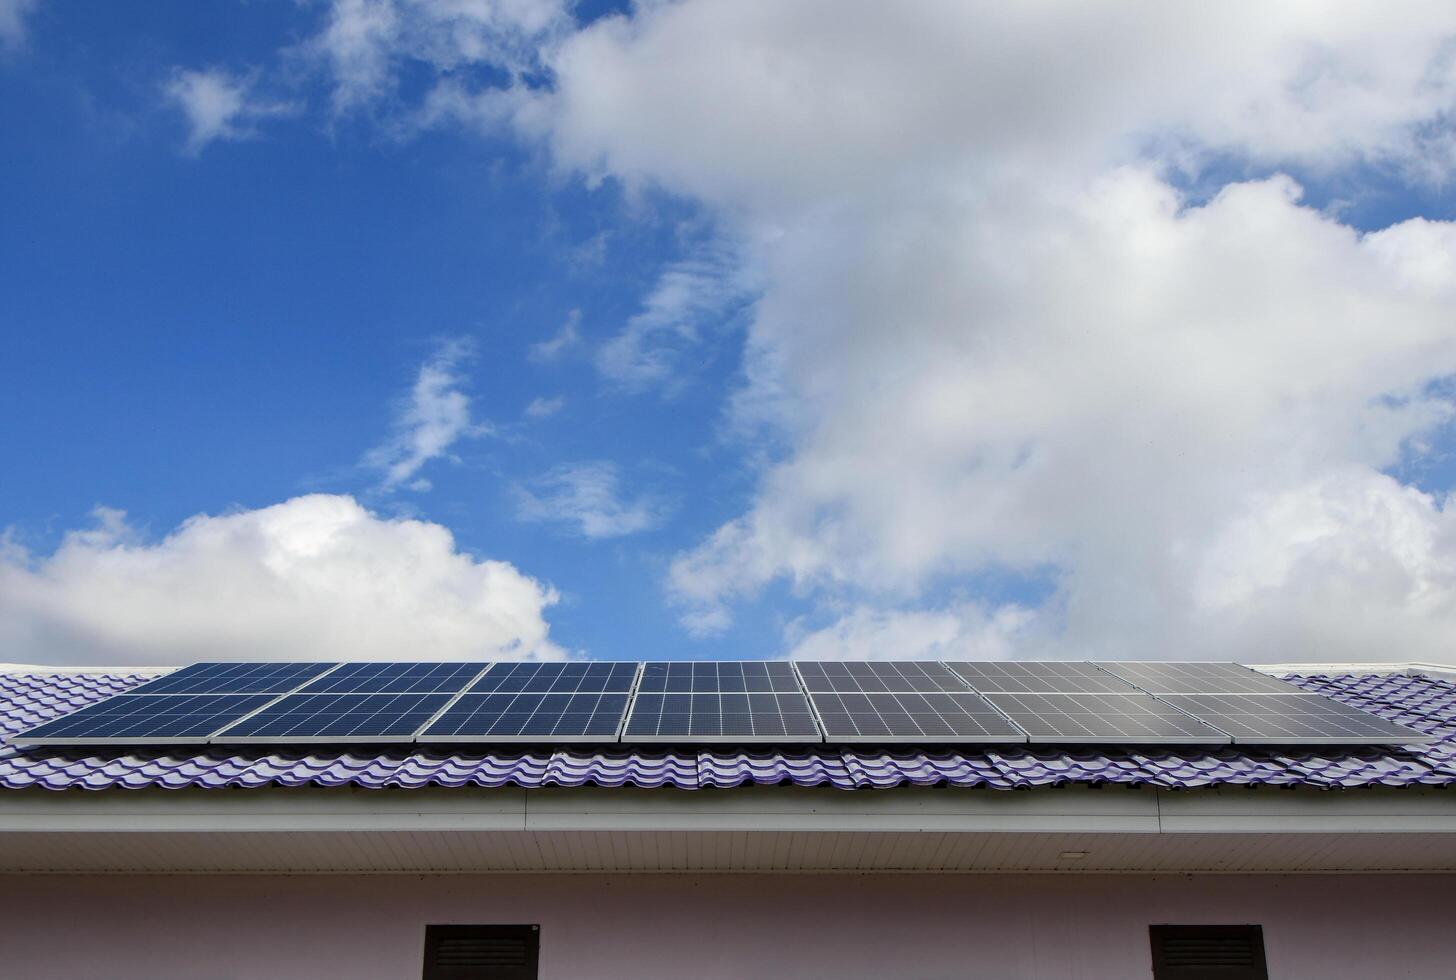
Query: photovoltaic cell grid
[[1273, 719], [338, 717], [912, 716], [557, 678], [901, 701], [1090, 718], [1198, 678], [410, 677], [149, 718], [1040, 677], [719, 677], [546, 702], [234, 678], [718, 701], [878, 676]]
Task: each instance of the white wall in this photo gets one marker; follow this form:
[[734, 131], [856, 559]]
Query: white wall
[[644, 927]]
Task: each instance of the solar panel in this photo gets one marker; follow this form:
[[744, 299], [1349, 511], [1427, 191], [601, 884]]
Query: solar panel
[[557, 678], [1271, 719], [1198, 678], [146, 719], [1124, 718], [1040, 677], [719, 676], [516, 716], [912, 717], [878, 676], [234, 678], [337, 718], [539, 702], [737, 701], [383, 677]]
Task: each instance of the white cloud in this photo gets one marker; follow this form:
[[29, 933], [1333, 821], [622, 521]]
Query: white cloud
[[315, 577], [992, 334], [961, 632], [220, 105], [365, 43], [589, 496], [434, 417], [13, 14], [565, 339], [541, 408]]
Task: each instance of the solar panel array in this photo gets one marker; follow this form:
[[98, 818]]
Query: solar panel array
[[1040, 702]]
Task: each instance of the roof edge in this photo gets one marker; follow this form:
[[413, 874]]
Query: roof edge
[[1408, 668]]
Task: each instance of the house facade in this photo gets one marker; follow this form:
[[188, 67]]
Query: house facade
[[902, 861]]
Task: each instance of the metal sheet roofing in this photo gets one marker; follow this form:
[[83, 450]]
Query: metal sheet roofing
[[1423, 703]]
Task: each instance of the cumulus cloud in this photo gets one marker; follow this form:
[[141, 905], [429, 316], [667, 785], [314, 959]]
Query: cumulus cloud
[[315, 577], [989, 328], [588, 496], [220, 105], [960, 632], [433, 418], [994, 333]]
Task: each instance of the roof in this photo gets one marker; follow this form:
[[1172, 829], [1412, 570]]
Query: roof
[[1425, 703]]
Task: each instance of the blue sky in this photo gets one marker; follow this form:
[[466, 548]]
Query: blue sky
[[814, 359]]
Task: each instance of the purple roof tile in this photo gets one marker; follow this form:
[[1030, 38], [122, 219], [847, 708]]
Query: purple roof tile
[[1422, 703]]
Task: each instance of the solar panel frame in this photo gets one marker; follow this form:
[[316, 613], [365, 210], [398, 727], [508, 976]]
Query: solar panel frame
[[1196, 677], [1039, 677], [322, 705], [1029, 710], [1225, 711]]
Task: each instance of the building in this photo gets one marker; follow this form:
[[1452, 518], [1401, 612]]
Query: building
[[1005, 862]]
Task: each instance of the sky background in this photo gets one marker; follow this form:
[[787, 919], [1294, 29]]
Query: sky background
[[393, 329]]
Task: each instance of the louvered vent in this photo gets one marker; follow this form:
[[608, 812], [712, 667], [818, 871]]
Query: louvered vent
[[481, 952], [1208, 953]]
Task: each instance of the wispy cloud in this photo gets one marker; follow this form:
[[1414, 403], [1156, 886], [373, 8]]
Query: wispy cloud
[[220, 105], [12, 21], [433, 418], [541, 408], [560, 342], [690, 296], [366, 43], [589, 496]]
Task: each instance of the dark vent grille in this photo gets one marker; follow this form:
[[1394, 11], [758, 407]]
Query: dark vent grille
[[1208, 953], [481, 952]]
